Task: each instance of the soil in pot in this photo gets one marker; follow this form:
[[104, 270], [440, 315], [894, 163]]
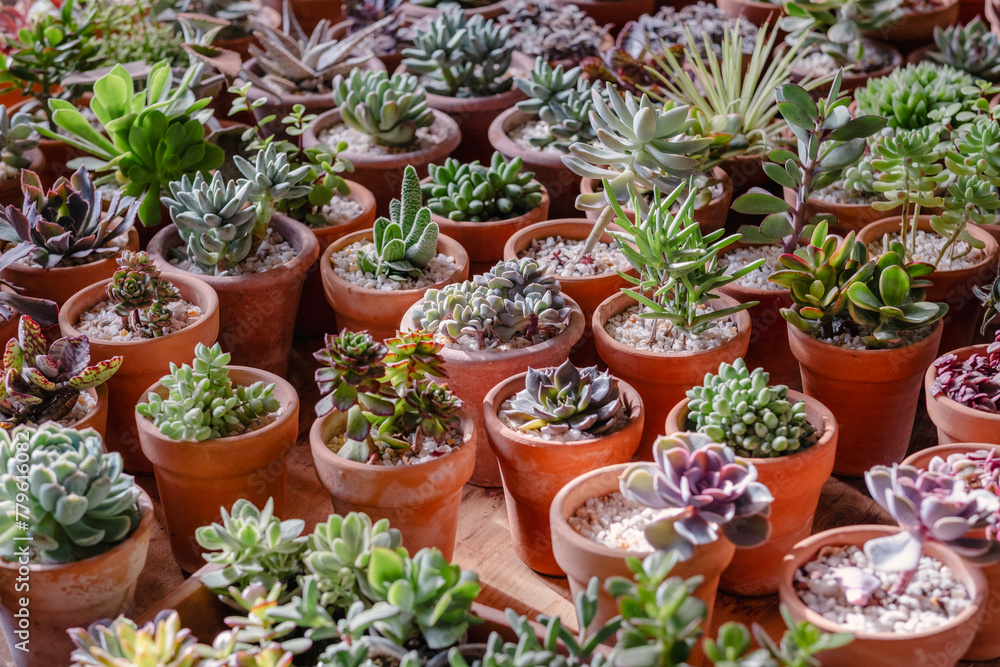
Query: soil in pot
[[956, 421]]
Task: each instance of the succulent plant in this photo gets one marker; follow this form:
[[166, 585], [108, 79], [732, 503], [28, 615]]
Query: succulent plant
[[553, 32], [462, 57], [475, 193], [349, 363], [974, 381], [131, 32], [665, 29], [390, 110], [715, 490], [837, 27], [978, 469], [69, 500], [39, 385], [161, 642], [66, 224], [989, 295], [213, 220], [358, 14], [555, 401], [562, 99], [202, 402], [971, 47], [738, 408], [407, 240], [412, 355], [140, 296], [17, 137], [272, 179]]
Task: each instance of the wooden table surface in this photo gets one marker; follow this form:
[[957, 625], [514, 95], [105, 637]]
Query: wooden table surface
[[484, 543]]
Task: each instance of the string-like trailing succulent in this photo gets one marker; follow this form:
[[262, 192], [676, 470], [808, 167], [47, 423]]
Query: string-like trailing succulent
[[17, 137], [973, 382], [42, 385], [563, 100], [972, 47], [476, 193], [715, 491], [390, 110], [837, 27], [202, 402], [67, 224], [69, 500], [140, 296], [553, 32], [462, 57], [740, 409], [557, 401], [121, 642]]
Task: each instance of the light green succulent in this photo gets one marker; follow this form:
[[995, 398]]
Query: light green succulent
[[562, 100], [972, 47], [476, 193], [390, 110], [272, 179], [17, 137], [122, 643]]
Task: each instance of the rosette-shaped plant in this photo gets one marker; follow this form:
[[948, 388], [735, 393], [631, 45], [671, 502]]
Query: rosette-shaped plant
[[161, 642], [272, 179], [459, 309], [350, 363], [390, 110], [973, 382], [66, 224], [40, 386], [69, 501], [140, 295], [562, 99], [431, 407], [555, 400], [476, 193], [971, 47], [17, 136], [412, 355], [711, 488], [922, 95]]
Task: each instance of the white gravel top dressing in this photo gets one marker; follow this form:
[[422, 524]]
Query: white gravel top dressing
[[8, 172], [758, 278], [360, 143], [850, 342], [428, 449], [818, 63], [630, 329], [934, 596], [84, 404], [837, 194], [531, 129], [615, 522], [929, 245], [341, 210], [117, 243], [103, 323], [273, 252], [345, 265], [563, 257]]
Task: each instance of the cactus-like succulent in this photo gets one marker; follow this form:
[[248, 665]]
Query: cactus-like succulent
[[17, 137], [66, 224], [476, 193], [69, 500], [740, 409], [202, 402], [407, 240], [567, 399], [563, 100], [161, 642], [40, 386], [390, 110], [972, 47], [140, 296], [213, 219], [715, 491]]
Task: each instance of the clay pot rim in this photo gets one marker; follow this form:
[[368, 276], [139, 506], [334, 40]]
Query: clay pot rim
[[970, 575], [493, 102], [589, 186], [751, 291], [742, 318], [501, 141], [461, 258], [934, 335], [145, 526], [501, 392], [92, 295], [951, 404], [951, 448], [431, 12], [132, 243], [360, 195], [308, 99], [945, 6], [923, 224], [493, 225]]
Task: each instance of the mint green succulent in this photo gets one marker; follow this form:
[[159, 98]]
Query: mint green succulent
[[562, 99], [389, 109], [17, 137], [272, 179], [474, 192]]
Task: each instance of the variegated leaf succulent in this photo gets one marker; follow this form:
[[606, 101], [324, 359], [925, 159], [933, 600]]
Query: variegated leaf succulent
[[161, 642], [140, 296], [974, 381]]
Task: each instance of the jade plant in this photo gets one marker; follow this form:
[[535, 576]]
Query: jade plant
[[140, 296], [562, 100], [43, 382], [738, 408], [715, 491], [476, 193], [69, 500], [203, 404], [161, 642], [974, 381], [972, 47], [17, 137], [389, 109], [837, 27]]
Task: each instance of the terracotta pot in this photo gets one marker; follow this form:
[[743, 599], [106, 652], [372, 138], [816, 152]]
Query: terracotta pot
[[314, 318], [582, 558], [379, 311], [941, 646], [69, 595], [850, 217], [195, 479], [421, 500], [615, 12], [746, 171], [310, 12], [757, 13], [561, 183], [416, 12], [920, 55], [970, 9], [471, 375], [146, 361], [484, 241], [986, 645], [956, 422], [258, 310], [951, 287], [97, 417], [796, 482], [266, 16], [10, 188], [917, 28], [853, 81], [858, 386], [382, 173], [534, 470], [662, 379]]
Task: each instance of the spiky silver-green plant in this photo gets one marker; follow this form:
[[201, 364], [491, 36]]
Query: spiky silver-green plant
[[562, 100], [17, 137], [390, 110], [972, 47]]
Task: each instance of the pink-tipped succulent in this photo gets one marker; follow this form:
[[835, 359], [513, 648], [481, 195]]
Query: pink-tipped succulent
[[856, 584], [711, 488], [974, 382], [40, 385]]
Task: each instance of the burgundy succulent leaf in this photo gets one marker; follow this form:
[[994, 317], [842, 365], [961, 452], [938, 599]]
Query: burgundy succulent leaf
[[974, 382]]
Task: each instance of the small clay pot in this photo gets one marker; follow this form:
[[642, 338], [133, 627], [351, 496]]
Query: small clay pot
[[942, 645], [310, 12], [850, 81], [662, 380], [615, 12], [58, 597], [534, 470], [382, 173], [10, 189], [145, 361], [258, 310], [241, 45], [421, 500], [561, 183], [196, 479], [957, 422], [746, 171], [314, 318], [758, 13], [915, 29], [379, 311], [472, 374], [857, 385], [796, 482], [951, 287], [415, 12]]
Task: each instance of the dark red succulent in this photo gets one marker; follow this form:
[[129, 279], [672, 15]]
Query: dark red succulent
[[974, 382]]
